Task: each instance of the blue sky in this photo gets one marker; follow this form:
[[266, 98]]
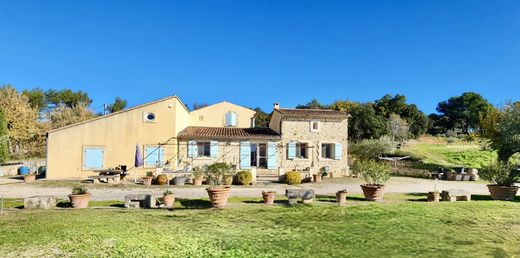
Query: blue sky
[[254, 53]]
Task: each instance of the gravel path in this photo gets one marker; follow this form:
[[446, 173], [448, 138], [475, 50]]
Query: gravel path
[[13, 188]]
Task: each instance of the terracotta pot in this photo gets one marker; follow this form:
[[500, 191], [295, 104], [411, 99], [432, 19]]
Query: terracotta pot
[[228, 180], [29, 178], [169, 199], [161, 180], [198, 180], [218, 196], [341, 197], [434, 196], [79, 201], [147, 180], [502, 193], [373, 192], [316, 178], [331, 174], [269, 197]]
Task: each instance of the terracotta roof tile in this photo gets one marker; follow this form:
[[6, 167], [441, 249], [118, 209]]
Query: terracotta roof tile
[[311, 113], [227, 133]]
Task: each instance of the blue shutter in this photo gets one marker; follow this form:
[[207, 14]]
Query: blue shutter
[[192, 149], [291, 150], [337, 151], [93, 158], [245, 155], [213, 150], [153, 156], [228, 119], [271, 155], [233, 119]]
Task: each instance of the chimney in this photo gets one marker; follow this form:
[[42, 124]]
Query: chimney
[[276, 105]]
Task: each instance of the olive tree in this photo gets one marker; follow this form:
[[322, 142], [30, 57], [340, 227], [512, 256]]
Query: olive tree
[[502, 128]]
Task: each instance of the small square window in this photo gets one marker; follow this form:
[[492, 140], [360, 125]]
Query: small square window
[[315, 126], [301, 150]]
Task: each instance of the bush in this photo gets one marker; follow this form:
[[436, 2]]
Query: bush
[[244, 177], [215, 173], [373, 148], [161, 179], [499, 173], [79, 189], [293, 178], [373, 172]]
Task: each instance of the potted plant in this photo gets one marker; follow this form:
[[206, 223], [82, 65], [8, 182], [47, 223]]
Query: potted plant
[[179, 180], [229, 175], [161, 179], [218, 194], [29, 178], [503, 176], [148, 179], [80, 197], [375, 175], [168, 198], [198, 175], [341, 197], [268, 196]]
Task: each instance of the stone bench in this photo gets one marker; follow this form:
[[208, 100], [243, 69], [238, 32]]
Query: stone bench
[[293, 195], [455, 195], [146, 201], [110, 179], [39, 202]]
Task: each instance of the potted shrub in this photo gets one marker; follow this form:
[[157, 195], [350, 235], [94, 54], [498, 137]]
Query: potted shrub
[[229, 175], [503, 176], [29, 178], [269, 197], [375, 175], [341, 197], [80, 197], [168, 198], [293, 178], [244, 177], [218, 194], [198, 176], [148, 179], [161, 180]]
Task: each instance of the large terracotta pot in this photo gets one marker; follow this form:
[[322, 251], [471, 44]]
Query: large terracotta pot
[[373, 192], [169, 199], [29, 178], [218, 196], [147, 180], [341, 197], [502, 193], [198, 180], [269, 197], [79, 201]]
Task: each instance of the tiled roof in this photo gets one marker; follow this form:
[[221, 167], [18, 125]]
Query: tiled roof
[[227, 133], [312, 113]]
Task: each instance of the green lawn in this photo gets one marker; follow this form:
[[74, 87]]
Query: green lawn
[[404, 226]]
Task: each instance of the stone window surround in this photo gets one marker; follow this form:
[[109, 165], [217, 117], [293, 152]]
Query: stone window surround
[[311, 126]]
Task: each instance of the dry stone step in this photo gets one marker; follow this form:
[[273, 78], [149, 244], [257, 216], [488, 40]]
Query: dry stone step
[[39, 202]]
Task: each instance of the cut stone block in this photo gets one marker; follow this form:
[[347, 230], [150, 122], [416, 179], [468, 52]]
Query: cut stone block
[[146, 201], [39, 202], [307, 195], [456, 195]]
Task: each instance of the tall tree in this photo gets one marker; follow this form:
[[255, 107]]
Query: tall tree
[[388, 105], [37, 98], [365, 123], [261, 119], [343, 105], [464, 111], [502, 128], [118, 105], [199, 105], [67, 97], [398, 128], [63, 115], [313, 104], [4, 139]]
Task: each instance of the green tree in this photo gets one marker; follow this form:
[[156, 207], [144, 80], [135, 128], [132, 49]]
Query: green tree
[[4, 138], [67, 97], [37, 98], [416, 119], [313, 104], [398, 128], [63, 115], [365, 123], [118, 105], [199, 105], [464, 111], [502, 128], [261, 119]]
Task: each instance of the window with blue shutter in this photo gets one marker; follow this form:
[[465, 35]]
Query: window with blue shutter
[[291, 150], [192, 149], [272, 155], [153, 156], [245, 155], [213, 149], [93, 158], [231, 119], [337, 151]]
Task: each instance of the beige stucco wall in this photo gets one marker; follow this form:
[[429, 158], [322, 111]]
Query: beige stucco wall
[[332, 131], [118, 133], [214, 115]]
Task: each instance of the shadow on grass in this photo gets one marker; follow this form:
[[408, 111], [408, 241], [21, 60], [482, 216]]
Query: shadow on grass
[[416, 195], [194, 204], [481, 197], [277, 201]]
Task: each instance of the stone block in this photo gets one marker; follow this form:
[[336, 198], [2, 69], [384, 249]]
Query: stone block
[[39, 202], [146, 201], [456, 195]]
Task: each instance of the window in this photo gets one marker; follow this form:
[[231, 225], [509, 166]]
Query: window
[[231, 119], [149, 117], [154, 156], [93, 158], [315, 126], [301, 150], [204, 149], [327, 150]]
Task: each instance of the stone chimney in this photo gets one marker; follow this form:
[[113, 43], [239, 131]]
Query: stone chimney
[[276, 105]]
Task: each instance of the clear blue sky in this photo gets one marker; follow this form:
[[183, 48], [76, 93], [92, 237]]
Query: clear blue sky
[[256, 52]]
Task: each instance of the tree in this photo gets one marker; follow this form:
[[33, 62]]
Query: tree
[[262, 119], [365, 124], [118, 105], [388, 105], [199, 106], [502, 128], [67, 97], [416, 119], [343, 105], [63, 115], [313, 104], [463, 111], [37, 98], [4, 139], [398, 128]]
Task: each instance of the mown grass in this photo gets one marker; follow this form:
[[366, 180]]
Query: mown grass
[[248, 229]]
